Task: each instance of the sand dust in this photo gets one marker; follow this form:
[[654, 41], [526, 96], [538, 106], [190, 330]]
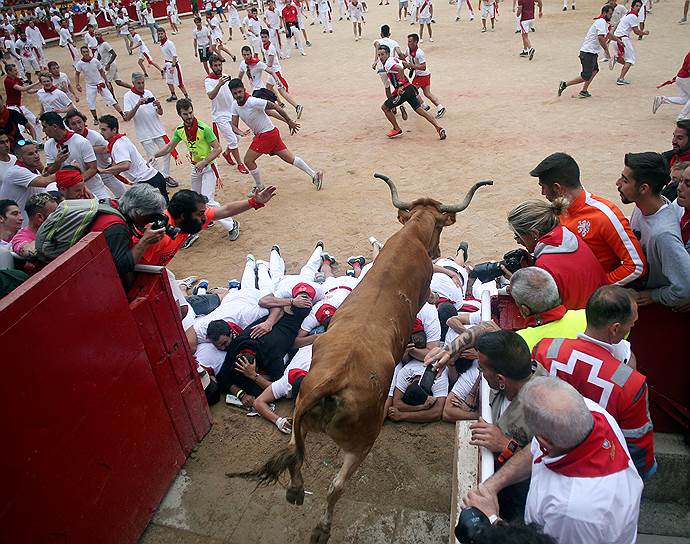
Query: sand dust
[[503, 117]]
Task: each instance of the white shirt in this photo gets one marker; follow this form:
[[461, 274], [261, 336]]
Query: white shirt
[[429, 318], [147, 122], [418, 58], [595, 510], [56, 22], [272, 19], [123, 25], [65, 37], [96, 138], [221, 105], [90, 70], [271, 52], [415, 368], [91, 19], [4, 166], [16, 186], [254, 74], [253, 26], [143, 48], [104, 50], [626, 24], [169, 51], [591, 43], [390, 43], [424, 9], [34, 36], [25, 49], [216, 32], [61, 82], [253, 113], [302, 361], [466, 381], [150, 19], [203, 37], [55, 100], [124, 150], [80, 152], [239, 306], [336, 290], [287, 283]]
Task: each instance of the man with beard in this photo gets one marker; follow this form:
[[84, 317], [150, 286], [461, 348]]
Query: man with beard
[[680, 143], [252, 362], [188, 211]]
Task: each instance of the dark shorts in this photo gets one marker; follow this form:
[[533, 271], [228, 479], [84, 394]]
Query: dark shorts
[[204, 54], [289, 25], [590, 65], [219, 9], [409, 95], [265, 94], [158, 181], [204, 304]]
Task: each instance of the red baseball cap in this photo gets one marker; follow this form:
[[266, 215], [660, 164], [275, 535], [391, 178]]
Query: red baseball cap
[[302, 287], [326, 310]]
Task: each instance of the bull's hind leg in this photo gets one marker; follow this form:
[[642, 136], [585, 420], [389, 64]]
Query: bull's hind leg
[[295, 492], [351, 462]]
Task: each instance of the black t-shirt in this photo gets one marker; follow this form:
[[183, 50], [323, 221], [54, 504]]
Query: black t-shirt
[[11, 127]]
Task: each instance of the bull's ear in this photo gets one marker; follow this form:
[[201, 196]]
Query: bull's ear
[[450, 219], [404, 216]]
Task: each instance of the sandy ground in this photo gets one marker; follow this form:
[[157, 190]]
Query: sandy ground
[[503, 117]]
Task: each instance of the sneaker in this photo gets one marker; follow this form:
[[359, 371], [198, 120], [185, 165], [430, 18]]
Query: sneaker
[[658, 101], [189, 242], [319, 277], [431, 40], [530, 53], [564, 8], [517, 31], [242, 169], [472, 17], [203, 284], [234, 233], [234, 284], [232, 400], [457, 19], [170, 182], [228, 157], [683, 21], [426, 107], [326, 258], [188, 281], [464, 248], [276, 248], [171, 98], [441, 112], [573, 7], [584, 94], [403, 113], [358, 259], [561, 87], [612, 62], [299, 109], [524, 53], [318, 180], [620, 81], [374, 242], [308, 42], [442, 134], [483, 29], [393, 133]]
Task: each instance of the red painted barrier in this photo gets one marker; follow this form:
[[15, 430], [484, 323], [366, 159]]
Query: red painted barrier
[[100, 401]]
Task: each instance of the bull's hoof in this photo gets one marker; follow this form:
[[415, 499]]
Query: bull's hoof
[[320, 535], [295, 495]]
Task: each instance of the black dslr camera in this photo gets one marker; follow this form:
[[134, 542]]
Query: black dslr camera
[[470, 525], [513, 261], [161, 222]]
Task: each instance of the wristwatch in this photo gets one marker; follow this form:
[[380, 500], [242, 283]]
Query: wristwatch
[[508, 452], [493, 518]]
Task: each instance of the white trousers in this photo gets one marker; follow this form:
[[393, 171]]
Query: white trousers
[[274, 37], [151, 147], [683, 84], [458, 7], [224, 125], [115, 185], [323, 19], [204, 183], [297, 35]]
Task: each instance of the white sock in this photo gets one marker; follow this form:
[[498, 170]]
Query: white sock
[[299, 163], [257, 177]]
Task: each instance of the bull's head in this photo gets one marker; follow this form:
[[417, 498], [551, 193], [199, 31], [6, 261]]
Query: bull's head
[[443, 214]]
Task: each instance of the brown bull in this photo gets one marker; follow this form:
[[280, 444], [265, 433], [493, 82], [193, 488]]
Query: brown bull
[[344, 393]]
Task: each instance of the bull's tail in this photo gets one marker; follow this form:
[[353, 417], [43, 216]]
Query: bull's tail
[[268, 473]]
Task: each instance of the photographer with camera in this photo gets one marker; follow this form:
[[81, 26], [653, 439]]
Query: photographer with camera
[[188, 213], [557, 250], [141, 106]]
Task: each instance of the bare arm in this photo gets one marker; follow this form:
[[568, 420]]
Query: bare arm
[[116, 168], [457, 409], [215, 151], [261, 405], [303, 339], [172, 144], [90, 171], [517, 469], [214, 92], [191, 339], [271, 301]]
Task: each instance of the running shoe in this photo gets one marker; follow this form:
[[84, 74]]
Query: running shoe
[[308, 43], [612, 62], [620, 81], [441, 112], [531, 53], [299, 109], [319, 243], [171, 98], [276, 248], [242, 169], [658, 101], [524, 53], [393, 133], [358, 259], [431, 40], [317, 180], [234, 284], [326, 258], [170, 182], [228, 157], [561, 87], [683, 21], [584, 94], [189, 242], [442, 134], [464, 247], [203, 284], [483, 29], [234, 233], [564, 8], [188, 281], [403, 113]]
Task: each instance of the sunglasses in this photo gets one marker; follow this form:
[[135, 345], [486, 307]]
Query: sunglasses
[[21, 143]]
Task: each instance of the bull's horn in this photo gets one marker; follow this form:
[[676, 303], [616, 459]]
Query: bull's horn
[[394, 193], [456, 208]]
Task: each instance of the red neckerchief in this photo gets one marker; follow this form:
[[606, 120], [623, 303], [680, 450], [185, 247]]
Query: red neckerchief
[[112, 140], [163, 41], [265, 45], [99, 39], [252, 61], [633, 12], [84, 59], [235, 329], [600, 454], [685, 226], [191, 132], [85, 132], [92, 33], [67, 136], [680, 158], [554, 314], [21, 163], [134, 90], [213, 75], [246, 97], [413, 52], [52, 88]]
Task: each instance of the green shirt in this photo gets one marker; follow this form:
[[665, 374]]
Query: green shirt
[[200, 148], [569, 326]]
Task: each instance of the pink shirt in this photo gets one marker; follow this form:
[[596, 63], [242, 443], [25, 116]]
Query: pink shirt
[[23, 237]]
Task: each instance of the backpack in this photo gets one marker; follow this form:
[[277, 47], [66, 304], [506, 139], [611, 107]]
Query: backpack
[[68, 224]]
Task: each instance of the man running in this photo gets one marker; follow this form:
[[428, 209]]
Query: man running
[[597, 39], [396, 52], [291, 17], [277, 79], [202, 42], [221, 105], [61, 80], [267, 139], [233, 18], [403, 91], [107, 56], [626, 52], [272, 20], [94, 79], [253, 67], [682, 81], [415, 60], [67, 41], [173, 74], [356, 16], [144, 54], [217, 37], [525, 13], [253, 30]]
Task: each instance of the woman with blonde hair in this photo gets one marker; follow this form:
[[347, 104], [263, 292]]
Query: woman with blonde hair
[[557, 250]]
